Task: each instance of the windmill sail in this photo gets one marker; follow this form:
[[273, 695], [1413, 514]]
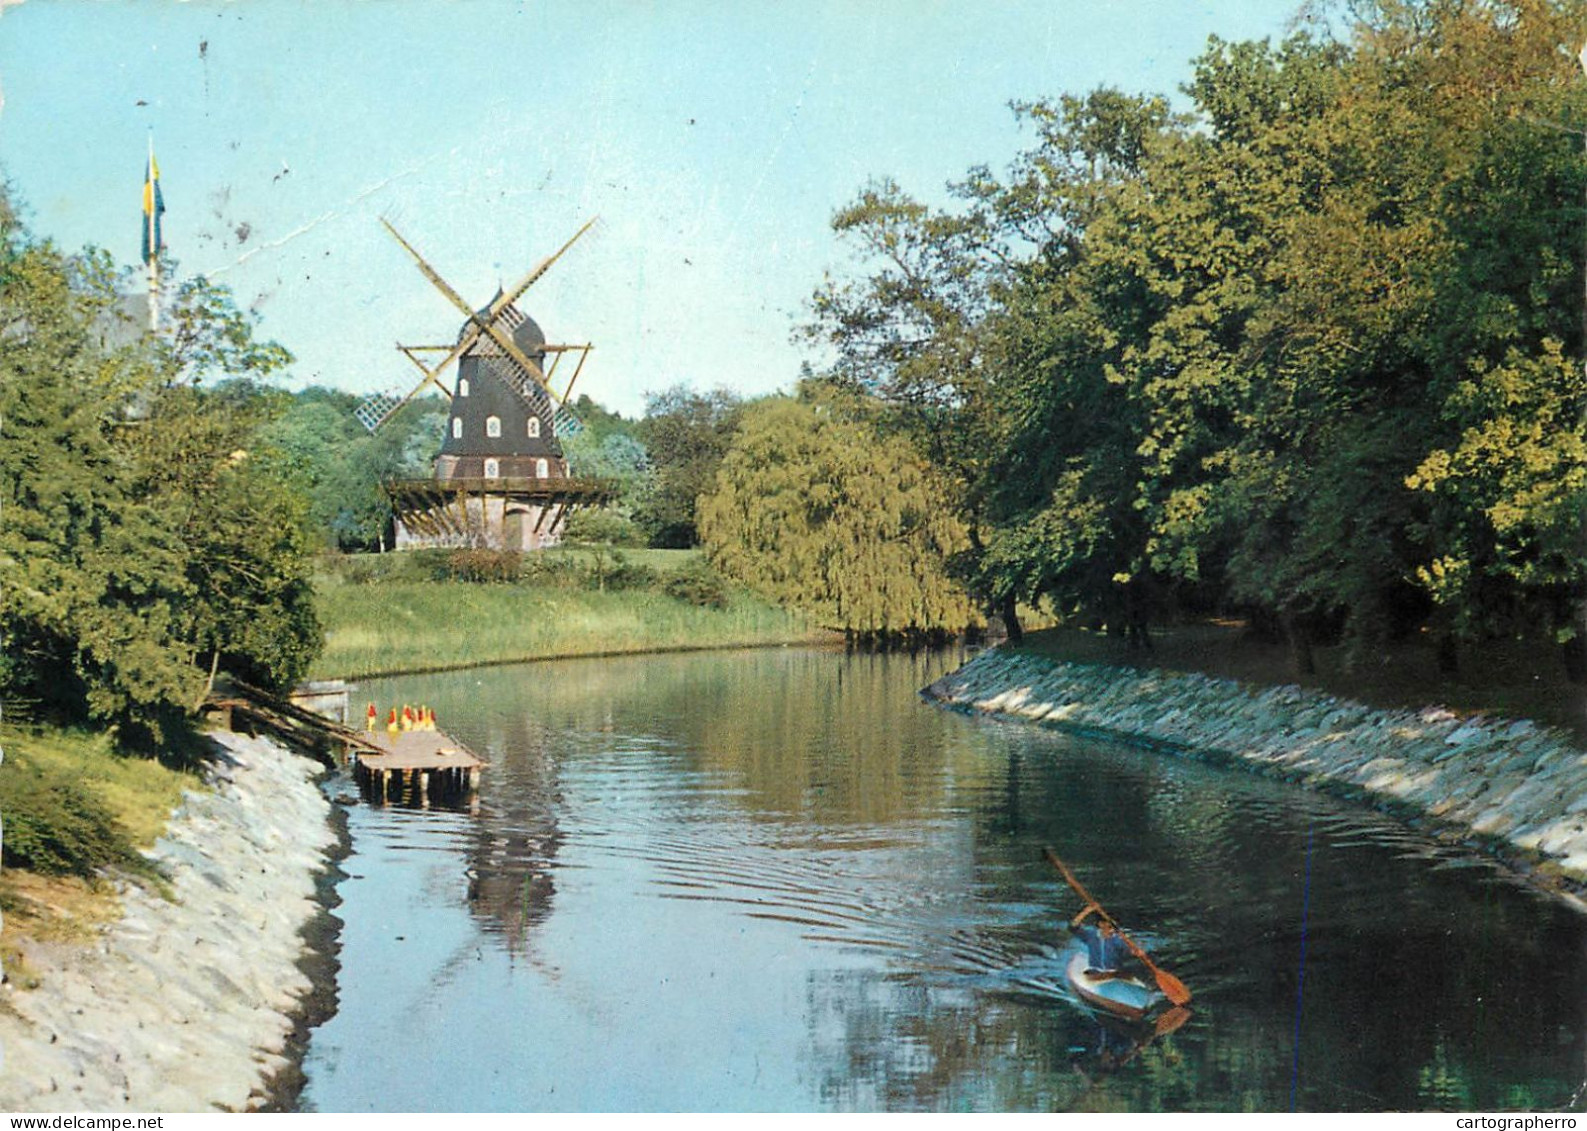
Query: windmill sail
[[379, 407], [488, 337]]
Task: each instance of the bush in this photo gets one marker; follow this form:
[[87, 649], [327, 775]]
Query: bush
[[593, 527], [552, 570], [480, 566], [612, 571], [697, 584], [373, 569], [56, 826]]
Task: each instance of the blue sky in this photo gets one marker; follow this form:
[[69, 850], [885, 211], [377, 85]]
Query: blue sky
[[713, 139]]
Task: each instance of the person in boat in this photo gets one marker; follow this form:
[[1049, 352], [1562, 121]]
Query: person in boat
[[1105, 950]]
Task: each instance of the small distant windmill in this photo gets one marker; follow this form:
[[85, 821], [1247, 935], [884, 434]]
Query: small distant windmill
[[502, 478], [489, 336]]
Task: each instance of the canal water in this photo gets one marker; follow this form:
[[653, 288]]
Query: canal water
[[779, 880]]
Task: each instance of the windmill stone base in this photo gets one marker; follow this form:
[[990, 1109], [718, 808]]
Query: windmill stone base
[[496, 514]]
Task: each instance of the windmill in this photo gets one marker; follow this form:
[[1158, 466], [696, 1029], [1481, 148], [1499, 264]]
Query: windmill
[[501, 479], [489, 335]]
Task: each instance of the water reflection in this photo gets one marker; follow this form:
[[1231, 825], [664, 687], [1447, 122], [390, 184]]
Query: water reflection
[[514, 846], [777, 880]]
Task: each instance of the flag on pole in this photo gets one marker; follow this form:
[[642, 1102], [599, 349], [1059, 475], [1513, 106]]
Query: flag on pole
[[153, 207]]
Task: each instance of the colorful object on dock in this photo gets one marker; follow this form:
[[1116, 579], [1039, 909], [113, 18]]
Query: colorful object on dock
[[370, 719], [392, 726]]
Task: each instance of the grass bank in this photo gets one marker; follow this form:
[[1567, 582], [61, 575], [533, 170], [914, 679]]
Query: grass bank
[[392, 613]]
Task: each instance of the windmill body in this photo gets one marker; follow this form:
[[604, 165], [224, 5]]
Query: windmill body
[[494, 430], [502, 480]]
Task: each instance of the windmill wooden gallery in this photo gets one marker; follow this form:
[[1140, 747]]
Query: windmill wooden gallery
[[502, 479]]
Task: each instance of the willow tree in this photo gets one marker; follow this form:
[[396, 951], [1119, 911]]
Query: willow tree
[[814, 508]]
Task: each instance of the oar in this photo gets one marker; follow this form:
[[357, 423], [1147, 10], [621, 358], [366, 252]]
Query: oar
[[1173, 989]]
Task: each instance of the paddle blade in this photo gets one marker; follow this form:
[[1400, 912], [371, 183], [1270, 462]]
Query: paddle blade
[[1173, 989]]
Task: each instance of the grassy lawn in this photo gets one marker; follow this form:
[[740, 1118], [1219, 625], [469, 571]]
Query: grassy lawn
[[381, 616]]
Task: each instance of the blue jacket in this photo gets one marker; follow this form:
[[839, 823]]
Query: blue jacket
[[1102, 953]]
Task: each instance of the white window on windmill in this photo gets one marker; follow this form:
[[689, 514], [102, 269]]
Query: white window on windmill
[[534, 427], [492, 469], [457, 427], [462, 386], [493, 426], [542, 469]]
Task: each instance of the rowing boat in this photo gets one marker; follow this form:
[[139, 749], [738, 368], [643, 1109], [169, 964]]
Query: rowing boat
[[1120, 995]]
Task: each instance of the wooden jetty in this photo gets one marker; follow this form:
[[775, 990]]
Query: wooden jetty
[[414, 764]]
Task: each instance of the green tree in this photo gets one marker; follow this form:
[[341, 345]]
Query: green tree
[[1065, 483], [685, 435], [950, 330], [141, 530], [1359, 230], [232, 504], [1297, 354], [814, 508], [340, 466], [91, 577]]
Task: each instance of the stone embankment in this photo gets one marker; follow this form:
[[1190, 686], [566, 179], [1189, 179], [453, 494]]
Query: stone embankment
[[184, 1004], [1513, 786]]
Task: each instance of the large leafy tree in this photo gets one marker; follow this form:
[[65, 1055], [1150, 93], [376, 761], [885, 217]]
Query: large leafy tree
[[1369, 228], [971, 331], [146, 541], [233, 507], [814, 508], [1063, 486], [92, 584]]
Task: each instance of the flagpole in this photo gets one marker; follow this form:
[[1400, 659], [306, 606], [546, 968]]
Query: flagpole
[[152, 220]]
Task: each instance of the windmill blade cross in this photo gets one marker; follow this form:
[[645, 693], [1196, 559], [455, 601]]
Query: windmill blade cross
[[486, 322]]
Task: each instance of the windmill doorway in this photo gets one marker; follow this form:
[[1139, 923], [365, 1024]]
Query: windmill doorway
[[517, 530]]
